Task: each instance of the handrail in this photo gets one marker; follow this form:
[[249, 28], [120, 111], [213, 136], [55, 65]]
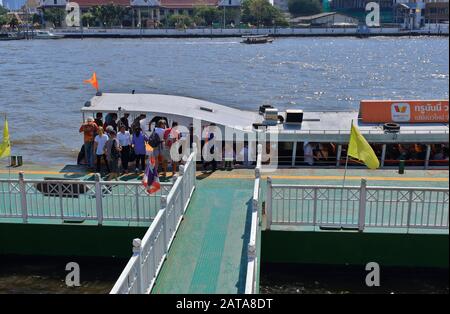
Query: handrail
[[252, 249], [152, 250], [357, 206], [79, 199]]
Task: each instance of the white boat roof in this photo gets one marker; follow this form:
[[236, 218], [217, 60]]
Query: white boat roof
[[174, 105]]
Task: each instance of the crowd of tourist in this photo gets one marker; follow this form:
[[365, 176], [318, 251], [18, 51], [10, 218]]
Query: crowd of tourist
[[113, 144]]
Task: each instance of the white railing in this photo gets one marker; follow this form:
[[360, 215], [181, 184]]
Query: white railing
[[357, 207], [149, 254], [252, 250], [78, 200], [346, 132]]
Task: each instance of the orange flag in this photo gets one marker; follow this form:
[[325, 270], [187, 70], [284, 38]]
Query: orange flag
[[93, 81]]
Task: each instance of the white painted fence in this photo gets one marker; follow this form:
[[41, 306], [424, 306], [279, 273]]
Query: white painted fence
[[357, 207], [78, 200], [252, 251], [149, 254]]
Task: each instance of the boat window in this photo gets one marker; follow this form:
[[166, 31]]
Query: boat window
[[439, 155], [412, 154], [377, 148]]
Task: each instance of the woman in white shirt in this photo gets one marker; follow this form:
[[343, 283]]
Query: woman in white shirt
[[99, 148], [124, 138]]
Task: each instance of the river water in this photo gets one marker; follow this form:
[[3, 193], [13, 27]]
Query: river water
[[41, 86]]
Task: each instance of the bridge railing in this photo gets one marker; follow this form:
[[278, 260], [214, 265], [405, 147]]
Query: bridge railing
[[357, 206], [252, 250], [67, 200], [149, 254]]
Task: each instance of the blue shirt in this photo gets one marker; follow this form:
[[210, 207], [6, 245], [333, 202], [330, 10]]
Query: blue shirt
[[139, 144]]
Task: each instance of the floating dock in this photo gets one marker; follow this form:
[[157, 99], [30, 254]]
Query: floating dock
[[213, 230]]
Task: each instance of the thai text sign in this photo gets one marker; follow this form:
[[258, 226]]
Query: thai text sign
[[404, 111]]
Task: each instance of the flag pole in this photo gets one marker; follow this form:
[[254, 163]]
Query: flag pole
[[346, 160]]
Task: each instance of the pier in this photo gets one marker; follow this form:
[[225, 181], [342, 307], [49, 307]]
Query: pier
[[217, 228]]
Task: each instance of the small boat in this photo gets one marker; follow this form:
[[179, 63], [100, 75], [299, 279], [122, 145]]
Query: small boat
[[45, 35], [256, 39], [12, 36]]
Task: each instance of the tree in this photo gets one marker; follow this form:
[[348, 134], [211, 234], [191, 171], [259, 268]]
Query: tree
[[88, 19], [3, 11], [3, 20], [205, 15], [109, 14], [180, 21], [55, 16], [13, 22], [304, 7], [261, 13]]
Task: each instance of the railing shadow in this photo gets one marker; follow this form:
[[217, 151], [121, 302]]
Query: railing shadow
[[240, 285]]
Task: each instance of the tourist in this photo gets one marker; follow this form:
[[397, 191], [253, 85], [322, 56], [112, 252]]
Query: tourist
[[99, 148], [125, 143], [157, 151], [89, 128], [209, 146], [113, 154], [171, 136], [124, 121], [111, 120], [137, 122], [228, 154], [138, 144], [99, 119], [308, 155]]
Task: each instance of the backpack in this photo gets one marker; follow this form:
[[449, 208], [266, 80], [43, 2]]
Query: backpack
[[114, 151], [154, 140]]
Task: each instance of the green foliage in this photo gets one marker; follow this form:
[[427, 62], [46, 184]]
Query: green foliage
[[88, 19], [180, 21], [108, 15], [205, 15], [55, 16], [3, 20], [13, 22], [261, 13], [3, 11], [36, 19], [304, 7]]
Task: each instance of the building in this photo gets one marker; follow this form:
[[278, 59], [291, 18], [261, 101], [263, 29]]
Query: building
[[357, 8], [146, 13], [13, 5], [327, 19], [413, 14], [436, 11]]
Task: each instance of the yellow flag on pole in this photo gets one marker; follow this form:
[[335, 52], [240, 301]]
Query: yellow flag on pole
[[5, 145], [360, 149]]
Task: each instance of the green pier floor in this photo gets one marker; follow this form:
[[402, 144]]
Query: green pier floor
[[209, 253]]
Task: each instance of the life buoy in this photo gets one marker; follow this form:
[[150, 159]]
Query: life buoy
[[391, 127]]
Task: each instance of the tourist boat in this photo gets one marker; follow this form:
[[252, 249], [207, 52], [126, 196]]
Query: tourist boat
[[11, 36], [404, 135], [257, 39], [40, 34]]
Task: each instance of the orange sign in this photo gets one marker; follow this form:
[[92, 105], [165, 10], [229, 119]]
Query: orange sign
[[404, 111]]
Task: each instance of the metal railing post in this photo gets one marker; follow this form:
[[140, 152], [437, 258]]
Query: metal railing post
[[98, 199], [183, 196], [137, 251], [269, 203], [362, 204], [23, 197], [164, 222]]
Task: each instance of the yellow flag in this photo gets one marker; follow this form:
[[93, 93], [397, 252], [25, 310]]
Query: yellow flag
[[5, 145], [359, 148]]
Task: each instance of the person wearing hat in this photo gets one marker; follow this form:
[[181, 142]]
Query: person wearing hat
[[89, 129], [113, 154]]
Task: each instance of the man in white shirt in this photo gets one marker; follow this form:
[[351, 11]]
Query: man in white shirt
[[308, 153], [124, 138]]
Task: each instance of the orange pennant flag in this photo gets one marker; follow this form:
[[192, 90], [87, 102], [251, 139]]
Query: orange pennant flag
[[93, 81]]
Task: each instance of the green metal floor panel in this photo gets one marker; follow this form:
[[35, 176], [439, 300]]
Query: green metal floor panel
[[210, 249]]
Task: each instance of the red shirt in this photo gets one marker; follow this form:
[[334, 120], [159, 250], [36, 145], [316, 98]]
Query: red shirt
[[89, 129]]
